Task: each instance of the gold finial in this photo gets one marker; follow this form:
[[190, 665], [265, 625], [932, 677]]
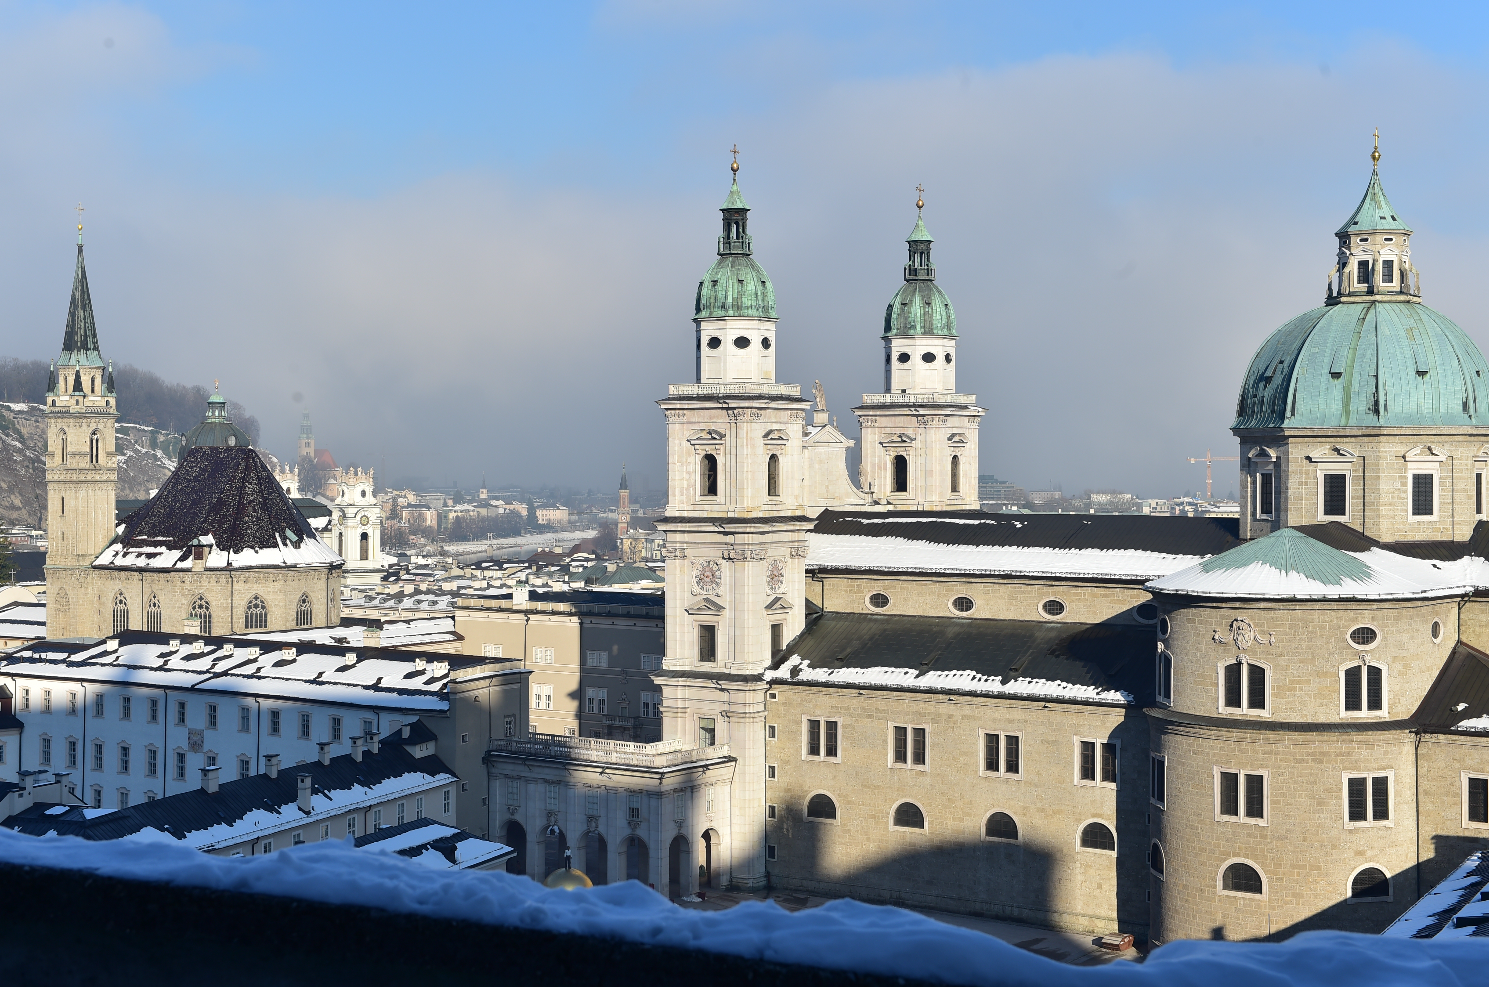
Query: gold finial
[[79, 211], [1375, 154], [734, 165], [919, 197], [214, 385]]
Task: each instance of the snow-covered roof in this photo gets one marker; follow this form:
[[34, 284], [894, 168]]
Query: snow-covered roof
[[869, 554], [1289, 565], [395, 634], [1455, 909], [434, 844], [797, 669]]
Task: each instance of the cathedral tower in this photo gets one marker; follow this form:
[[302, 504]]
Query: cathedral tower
[[735, 527], [82, 471], [920, 436], [623, 511]]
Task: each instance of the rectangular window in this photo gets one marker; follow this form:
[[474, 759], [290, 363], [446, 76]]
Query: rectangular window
[[211, 716], [46, 700], [124, 759], [211, 760], [1157, 784], [770, 772], [509, 725], [770, 851], [1478, 494], [245, 767], [1243, 686], [97, 703], [1109, 763], [819, 739], [830, 741], [399, 815], [651, 663], [2, 752], [126, 707], [123, 798], [25, 700], [1475, 800], [1367, 800], [72, 753], [901, 745], [1012, 744], [597, 659], [1241, 796], [152, 762], [97, 755], [491, 651], [595, 700], [770, 810], [1264, 495], [1088, 760], [325, 831], [304, 726], [1256, 687], [777, 639], [447, 802], [1362, 273], [1423, 501], [351, 825], [72, 704], [335, 729], [1165, 676], [1000, 754], [268, 846], [153, 716], [273, 722], [633, 807], [377, 820], [708, 642], [180, 712], [1388, 272], [180, 765], [542, 656], [419, 807], [97, 797], [1336, 495], [991, 744], [917, 745], [705, 731], [46, 751], [366, 726], [245, 719], [542, 696], [814, 738]]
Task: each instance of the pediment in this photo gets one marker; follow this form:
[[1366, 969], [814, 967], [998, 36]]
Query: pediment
[[706, 606], [1262, 454], [1425, 454], [897, 439], [957, 439], [778, 604], [776, 436], [706, 436], [1332, 454]]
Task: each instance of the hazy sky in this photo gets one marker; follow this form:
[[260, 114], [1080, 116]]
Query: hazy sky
[[467, 237]]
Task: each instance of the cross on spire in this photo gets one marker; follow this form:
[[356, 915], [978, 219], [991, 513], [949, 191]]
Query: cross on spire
[[1375, 154], [919, 197], [734, 165], [79, 210]]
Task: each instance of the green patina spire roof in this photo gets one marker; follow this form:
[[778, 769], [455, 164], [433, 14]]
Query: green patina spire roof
[[919, 307], [736, 286], [80, 338], [1374, 212], [1289, 550], [735, 200], [919, 234]]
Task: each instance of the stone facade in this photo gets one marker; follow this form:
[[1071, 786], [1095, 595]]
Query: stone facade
[[1086, 601], [356, 529]]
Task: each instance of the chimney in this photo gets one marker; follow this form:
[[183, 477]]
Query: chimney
[[373, 744], [519, 595], [112, 644], [209, 779], [305, 793], [357, 749], [405, 730], [351, 658], [325, 751], [271, 765], [420, 664], [372, 637]]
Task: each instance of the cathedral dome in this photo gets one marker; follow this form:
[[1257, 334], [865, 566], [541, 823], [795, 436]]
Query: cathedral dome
[[215, 429], [1373, 354], [736, 286], [919, 307]]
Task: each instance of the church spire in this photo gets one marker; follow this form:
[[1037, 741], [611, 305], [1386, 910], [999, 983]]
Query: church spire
[[80, 338]]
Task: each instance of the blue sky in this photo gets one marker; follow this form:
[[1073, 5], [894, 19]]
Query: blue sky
[[467, 235]]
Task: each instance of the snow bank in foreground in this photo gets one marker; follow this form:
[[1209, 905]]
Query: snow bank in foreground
[[844, 935]]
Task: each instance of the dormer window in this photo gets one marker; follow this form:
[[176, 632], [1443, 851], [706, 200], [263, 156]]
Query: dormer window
[[1387, 272], [1362, 272]]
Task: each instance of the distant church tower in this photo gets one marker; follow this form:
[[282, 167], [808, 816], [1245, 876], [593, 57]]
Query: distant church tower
[[735, 530], [623, 513], [920, 436], [82, 471], [307, 439]]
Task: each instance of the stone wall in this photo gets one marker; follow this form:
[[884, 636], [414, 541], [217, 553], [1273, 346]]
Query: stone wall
[[995, 597]]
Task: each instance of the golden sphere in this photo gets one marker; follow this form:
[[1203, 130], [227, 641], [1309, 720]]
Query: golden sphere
[[919, 203], [734, 167], [568, 879]]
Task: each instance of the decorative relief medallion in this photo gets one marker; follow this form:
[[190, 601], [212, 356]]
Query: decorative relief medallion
[[797, 416], [676, 416], [1243, 635], [929, 420], [708, 578], [798, 551], [743, 415], [775, 576]]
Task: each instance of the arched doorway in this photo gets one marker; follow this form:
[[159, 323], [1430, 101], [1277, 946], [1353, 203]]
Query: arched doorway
[[596, 858], [554, 845], [708, 859], [516, 838], [637, 864], [677, 863]]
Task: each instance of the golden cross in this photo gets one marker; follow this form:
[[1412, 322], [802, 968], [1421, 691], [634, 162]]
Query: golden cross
[[1375, 154], [735, 151]]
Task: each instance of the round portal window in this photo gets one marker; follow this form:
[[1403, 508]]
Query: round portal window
[[903, 358], [714, 342], [765, 343], [1146, 612], [948, 358], [741, 342], [878, 601], [1436, 631], [1052, 608], [963, 604], [1364, 636], [927, 358], [1163, 627]]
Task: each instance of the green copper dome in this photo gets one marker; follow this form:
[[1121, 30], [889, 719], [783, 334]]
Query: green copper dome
[[920, 307], [736, 286], [215, 428], [1380, 363]]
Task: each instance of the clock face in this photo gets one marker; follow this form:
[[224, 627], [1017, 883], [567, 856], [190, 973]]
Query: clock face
[[708, 578], [366, 520], [775, 576]]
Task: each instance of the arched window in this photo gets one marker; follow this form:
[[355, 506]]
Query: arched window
[[202, 611], [341, 543], [256, 615], [956, 474], [708, 476], [907, 815], [121, 613], [1096, 836], [1241, 878], [1155, 858], [1165, 675], [1364, 688], [95, 448], [152, 614], [1370, 882], [303, 615], [1000, 826], [62, 447], [366, 546], [821, 806], [901, 475], [773, 476]]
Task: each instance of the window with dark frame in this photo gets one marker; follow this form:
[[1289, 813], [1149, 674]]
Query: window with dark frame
[[1368, 798], [1362, 273], [901, 474], [1336, 494], [1158, 767], [1165, 676], [901, 745], [1264, 494], [1364, 689], [1478, 493], [1241, 878], [1243, 795], [1370, 882], [708, 641], [1109, 763], [773, 476], [1388, 272], [777, 639], [1478, 800], [1088, 760], [1421, 495], [708, 480], [1098, 836], [1000, 826], [917, 745], [1254, 679]]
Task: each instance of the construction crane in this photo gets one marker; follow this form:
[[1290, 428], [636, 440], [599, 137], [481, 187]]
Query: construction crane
[[1209, 461]]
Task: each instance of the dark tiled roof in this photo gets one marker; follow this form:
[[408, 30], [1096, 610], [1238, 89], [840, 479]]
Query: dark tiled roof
[[603, 598], [189, 812], [226, 492], [418, 733], [1166, 535], [9, 722], [1106, 656], [1338, 535], [311, 507], [1463, 681]]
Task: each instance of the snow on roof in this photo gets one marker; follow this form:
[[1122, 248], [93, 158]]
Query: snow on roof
[[906, 555], [1477, 724], [841, 935], [1454, 909], [412, 840], [395, 634], [798, 669]]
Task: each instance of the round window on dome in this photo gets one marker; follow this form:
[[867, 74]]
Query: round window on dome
[[1364, 636], [1163, 627], [741, 342], [928, 358], [765, 343], [714, 342], [1146, 612], [1052, 608], [948, 358], [878, 601], [963, 604], [903, 358]]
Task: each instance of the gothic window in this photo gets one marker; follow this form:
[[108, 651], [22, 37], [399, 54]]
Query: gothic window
[[366, 541], [256, 615], [152, 614], [121, 613], [773, 476], [956, 474], [202, 611], [95, 448], [62, 448], [303, 614], [708, 480], [901, 475]]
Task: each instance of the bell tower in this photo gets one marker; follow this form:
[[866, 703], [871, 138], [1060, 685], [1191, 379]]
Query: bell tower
[[735, 530], [81, 468]]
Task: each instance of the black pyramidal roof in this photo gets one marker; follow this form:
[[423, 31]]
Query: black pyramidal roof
[[223, 491], [81, 335]]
